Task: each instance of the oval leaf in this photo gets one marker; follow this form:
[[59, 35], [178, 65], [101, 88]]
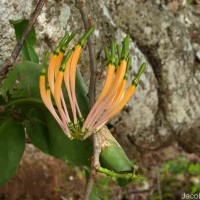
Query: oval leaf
[[73, 151], [38, 134], [28, 52], [12, 143], [45, 134], [22, 81], [113, 157]]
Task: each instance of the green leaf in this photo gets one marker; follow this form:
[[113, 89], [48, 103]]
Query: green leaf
[[12, 143], [28, 53], [114, 158], [37, 131], [22, 81], [49, 137], [3, 113], [73, 151]]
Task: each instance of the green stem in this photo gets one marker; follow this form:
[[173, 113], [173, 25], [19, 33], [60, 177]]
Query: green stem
[[118, 51], [61, 44], [115, 175], [128, 67], [137, 78], [113, 45], [43, 71], [125, 47], [66, 58], [67, 41], [45, 60], [106, 54], [86, 35]]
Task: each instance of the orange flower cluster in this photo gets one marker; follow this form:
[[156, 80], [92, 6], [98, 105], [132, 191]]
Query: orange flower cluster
[[111, 99]]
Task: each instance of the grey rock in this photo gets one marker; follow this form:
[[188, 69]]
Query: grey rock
[[165, 105], [168, 47], [198, 55]]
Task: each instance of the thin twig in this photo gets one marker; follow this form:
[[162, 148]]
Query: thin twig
[[94, 166], [10, 62], [81, 5], [32, 21]]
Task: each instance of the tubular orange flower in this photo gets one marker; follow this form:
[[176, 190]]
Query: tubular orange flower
[[111, 100], [46, 98], [58, 91], [118, 106], [104, 92], [72, 78], [55, 60], [116, 83], [51, 71], [120, 91]]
